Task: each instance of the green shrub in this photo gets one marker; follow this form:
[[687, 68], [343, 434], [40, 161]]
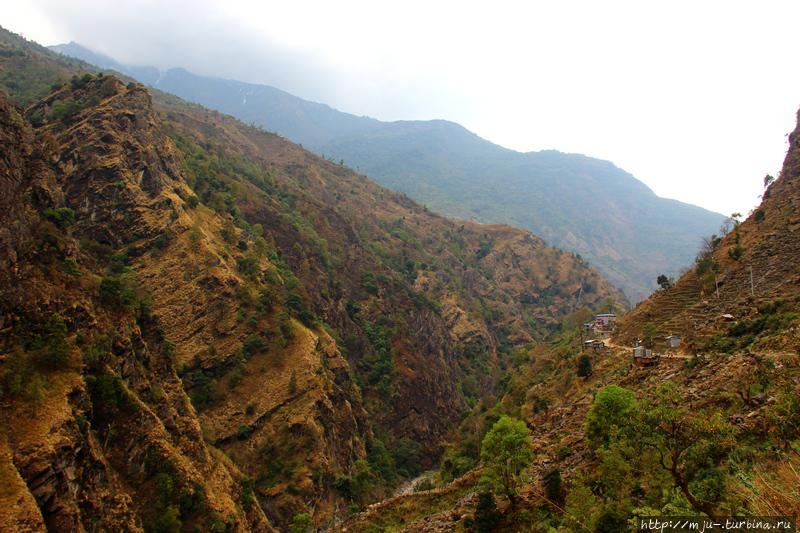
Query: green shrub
[[253, 344], [63, 217], [552, 485], [19, 377], [294, 302], [55, 352], [165, 486], [507, 453], [70, 267], [116, 293], [381, 460], [455, 465], [584, 366], [167, 520], [63, 111], [78, 83], [107, 390], [369, 283], [612, 520], [118, 262], [234, 377], [266, 301], [301, 523], [162, 240], [356, 485], [285, 326], [248, 497], [408, 456], [248, 266], [190, 500], [486, 515], [243, 431], [202, 388], [613, 409]]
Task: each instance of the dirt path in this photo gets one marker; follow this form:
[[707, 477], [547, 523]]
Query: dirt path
[[668, 355], [408, 486]]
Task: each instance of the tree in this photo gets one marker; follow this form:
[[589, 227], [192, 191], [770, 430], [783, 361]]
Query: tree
[[584, 366], [63, 217], [614, 408], [355, 485], [552, 485], [664, 282], [736, 252], [506, 452], [56, 352], [649, 334], [691, 446], [768, 180]]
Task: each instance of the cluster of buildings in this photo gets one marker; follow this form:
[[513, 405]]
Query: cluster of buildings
[[601, 323], [646, 357], [642, 356]]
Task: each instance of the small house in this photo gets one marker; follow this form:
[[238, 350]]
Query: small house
[[588, 326], [673, 341], [605, 320], [644, 356], [594, 345]]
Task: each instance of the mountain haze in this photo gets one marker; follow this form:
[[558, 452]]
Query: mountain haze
[[575, 202]]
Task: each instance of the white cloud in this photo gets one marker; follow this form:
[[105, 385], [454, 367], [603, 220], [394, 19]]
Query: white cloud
[[694, 98]]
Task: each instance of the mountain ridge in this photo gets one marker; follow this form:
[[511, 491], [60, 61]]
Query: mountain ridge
[[456, 172]]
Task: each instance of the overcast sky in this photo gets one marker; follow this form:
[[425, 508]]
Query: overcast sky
[[694, 98]]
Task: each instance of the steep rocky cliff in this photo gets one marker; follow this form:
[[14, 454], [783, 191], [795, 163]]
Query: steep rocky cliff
[[203, 324], [436, 300], [95, 420]]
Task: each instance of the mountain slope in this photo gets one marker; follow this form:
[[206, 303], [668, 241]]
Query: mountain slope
[[749, 274], [711, 430], [96, 421], [574, 202], [243, 330]]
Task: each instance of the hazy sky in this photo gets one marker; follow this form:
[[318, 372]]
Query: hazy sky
[[694, 98]]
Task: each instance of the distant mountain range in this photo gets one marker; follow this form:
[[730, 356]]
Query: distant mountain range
[[585, 205]]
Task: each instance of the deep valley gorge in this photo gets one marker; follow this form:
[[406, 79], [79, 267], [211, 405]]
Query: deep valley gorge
[[207, 327]]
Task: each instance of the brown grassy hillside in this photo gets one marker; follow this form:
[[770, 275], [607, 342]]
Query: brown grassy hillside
[[221, 327], [91, 399]]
